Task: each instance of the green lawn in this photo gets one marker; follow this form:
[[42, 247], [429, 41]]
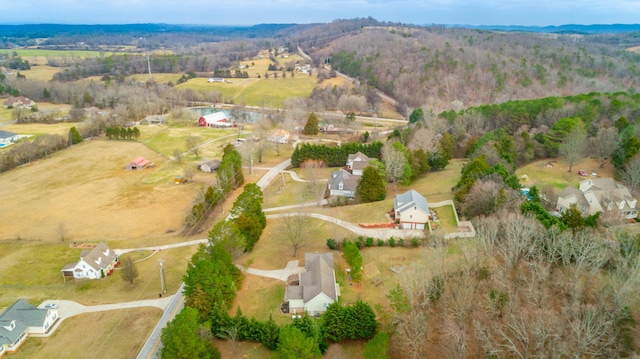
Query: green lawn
[[57, 53], [165, 142]]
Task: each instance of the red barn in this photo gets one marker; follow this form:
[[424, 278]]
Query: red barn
[[217, 119]]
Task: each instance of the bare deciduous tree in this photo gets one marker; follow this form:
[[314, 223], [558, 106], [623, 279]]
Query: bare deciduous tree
[[604, 143], [631, 173], [296, 229], [193, 143], [412, 334], [129, 270], [311, 169], [574, 147]]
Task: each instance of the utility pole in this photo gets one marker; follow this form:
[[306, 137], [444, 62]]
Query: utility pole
[[162, 281]]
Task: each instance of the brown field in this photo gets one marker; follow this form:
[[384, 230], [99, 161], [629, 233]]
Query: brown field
[[111, 334], [41, 73], [87, 190], [558, 175]]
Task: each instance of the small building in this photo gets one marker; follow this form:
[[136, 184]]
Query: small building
[[316, 288], [18, 102], [411, 210], [137, 163], [602, 195], [279, 136], [342, 183], [357, 162], [209, 166], [95, 263], [216, 119], [215, 79], [19, 321]]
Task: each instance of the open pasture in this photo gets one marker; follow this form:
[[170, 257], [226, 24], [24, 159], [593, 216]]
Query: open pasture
[[87, 190]]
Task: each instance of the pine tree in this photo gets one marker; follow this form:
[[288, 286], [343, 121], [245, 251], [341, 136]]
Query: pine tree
[[311, 127], [371, 187]]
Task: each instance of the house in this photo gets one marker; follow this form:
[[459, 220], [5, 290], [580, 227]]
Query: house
[[342, 183], [357, 162], [137, 163], [8, 137], [209, 166], [411, 210], [316, 288], [20, 320], [93, 264], [216, 119], [19, 102], [602, 195], [279, 136]]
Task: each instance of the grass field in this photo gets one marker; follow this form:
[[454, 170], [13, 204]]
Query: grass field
[[102, 335], [557, 175], [41, 72], [39, 56], [87, 189]]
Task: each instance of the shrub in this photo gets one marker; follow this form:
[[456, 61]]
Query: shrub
[[392, 242], [360, 242], [401, 242], [368, 242], [415, 242], [332, 243], [380, 242]]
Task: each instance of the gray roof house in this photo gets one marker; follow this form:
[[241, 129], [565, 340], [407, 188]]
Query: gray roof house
[[317, 287], [599, 195], [411, 210], [342, 183], [209, 166], [8, 137], [19, 321], [357, 162], [93, 264]]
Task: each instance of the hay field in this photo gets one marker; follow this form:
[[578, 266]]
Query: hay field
[[87, 190], [41, 72]]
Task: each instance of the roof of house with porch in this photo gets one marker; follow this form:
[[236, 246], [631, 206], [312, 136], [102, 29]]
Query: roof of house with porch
[[23, 315], [408, 200]]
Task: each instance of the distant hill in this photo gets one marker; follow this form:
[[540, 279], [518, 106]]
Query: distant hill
[[566, 29]]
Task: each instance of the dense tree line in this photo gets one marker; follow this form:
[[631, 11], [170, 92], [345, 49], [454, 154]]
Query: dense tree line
[[335, 156], [123, 133], [229, 177]]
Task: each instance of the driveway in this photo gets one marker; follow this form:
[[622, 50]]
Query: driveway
[[280, 274]]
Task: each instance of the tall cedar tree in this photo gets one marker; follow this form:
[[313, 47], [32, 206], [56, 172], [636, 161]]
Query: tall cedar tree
[[371, 187], [311, 127], [180, 338]]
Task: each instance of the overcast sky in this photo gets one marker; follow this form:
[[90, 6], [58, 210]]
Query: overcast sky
[[250, 12]]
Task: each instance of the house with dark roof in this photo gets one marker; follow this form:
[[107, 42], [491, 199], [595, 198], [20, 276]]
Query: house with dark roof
[[342, 183], [316, 288], [357, 162], [8, 137], [411, 210], [209, 166], [18, 102], [602, 195], [93, 264], [19, 321]]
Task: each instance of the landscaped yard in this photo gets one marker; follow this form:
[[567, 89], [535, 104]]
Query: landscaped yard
[[555, 173]]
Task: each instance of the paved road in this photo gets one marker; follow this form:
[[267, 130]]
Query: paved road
[[153, 345]]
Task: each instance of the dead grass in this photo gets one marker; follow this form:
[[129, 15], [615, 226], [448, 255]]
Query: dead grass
[[41, 73], [260, 297], [558, 175], [87, 189], [111, 334]]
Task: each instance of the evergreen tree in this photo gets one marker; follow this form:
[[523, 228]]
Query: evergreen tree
[[371, 187], [180, 338], [311, 127], [74, 136]]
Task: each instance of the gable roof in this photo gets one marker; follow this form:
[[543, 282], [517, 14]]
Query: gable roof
[[358, 156], [596, 194], [319, 277], [24, 315], [18, 101], [410, 199], [140, 161], [219, 116], [99, 257], [348, 180], [6, 134]]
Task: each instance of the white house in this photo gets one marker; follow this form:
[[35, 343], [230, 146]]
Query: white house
[[20, 320], [316, 288], [603, 195], [19, 102], [93, 264], [357, 162], [411, 210], [7, 137], [279, 136], [342, 183]]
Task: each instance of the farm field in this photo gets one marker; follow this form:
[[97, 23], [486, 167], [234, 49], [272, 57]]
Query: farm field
[[41, 72], [39, 56], [87, 189]]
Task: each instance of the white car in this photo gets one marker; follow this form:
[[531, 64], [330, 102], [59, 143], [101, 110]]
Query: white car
[[51, 306]]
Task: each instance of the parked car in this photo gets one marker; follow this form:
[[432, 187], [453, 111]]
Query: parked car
[[582, 173], [51, 306]]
